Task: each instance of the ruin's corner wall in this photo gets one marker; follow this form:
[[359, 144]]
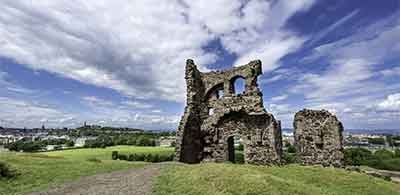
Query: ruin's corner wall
[[318, 138], [203, 135]]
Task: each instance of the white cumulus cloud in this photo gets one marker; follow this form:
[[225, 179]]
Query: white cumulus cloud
[[391, 103], [139, 47]]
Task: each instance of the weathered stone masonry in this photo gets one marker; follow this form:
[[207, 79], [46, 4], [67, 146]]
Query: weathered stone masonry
[[318, 138], [211, 119], [214, 114]]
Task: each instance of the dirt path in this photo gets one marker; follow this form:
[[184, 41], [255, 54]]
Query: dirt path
[[126, 182]]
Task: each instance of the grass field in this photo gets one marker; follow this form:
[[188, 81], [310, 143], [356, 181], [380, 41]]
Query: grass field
[[231, 179], [39, 170], [105, 153]]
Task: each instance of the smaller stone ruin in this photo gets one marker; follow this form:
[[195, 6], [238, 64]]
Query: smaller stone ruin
[[318, 138]]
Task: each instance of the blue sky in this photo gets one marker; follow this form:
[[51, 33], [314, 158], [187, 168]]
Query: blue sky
[[121, 63]]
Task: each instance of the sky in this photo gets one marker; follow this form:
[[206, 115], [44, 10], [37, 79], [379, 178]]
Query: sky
[[121, 63]]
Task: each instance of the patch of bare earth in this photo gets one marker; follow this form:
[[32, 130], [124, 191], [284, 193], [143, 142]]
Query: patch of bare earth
[[127, 182]]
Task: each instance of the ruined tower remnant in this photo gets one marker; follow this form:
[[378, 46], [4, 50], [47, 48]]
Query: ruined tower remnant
[[215, 113], [318, 138]]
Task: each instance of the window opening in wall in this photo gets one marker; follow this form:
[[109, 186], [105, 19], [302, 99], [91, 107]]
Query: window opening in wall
[[239, 85]]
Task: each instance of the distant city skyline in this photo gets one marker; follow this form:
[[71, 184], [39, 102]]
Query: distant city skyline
[[122, 63]]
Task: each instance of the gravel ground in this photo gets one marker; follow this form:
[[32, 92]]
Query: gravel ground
[[126, 182]]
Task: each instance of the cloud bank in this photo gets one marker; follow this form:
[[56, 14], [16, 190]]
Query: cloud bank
[[138, 48]]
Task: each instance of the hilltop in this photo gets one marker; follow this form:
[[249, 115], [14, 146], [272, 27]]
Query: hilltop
[[40, 171]]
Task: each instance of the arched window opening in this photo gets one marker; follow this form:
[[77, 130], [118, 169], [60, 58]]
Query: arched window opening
[[239, 85], [216, 92], [210, 111]]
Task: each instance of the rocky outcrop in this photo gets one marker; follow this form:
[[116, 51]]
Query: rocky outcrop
[[318, 138]]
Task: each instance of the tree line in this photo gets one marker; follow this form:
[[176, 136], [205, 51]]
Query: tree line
[[29, 145]]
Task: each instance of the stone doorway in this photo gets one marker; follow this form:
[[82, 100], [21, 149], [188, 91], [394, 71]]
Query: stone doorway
[[231, 149], [235, 149]]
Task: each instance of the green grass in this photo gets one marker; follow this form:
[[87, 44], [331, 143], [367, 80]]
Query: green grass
[[105, 153], [39, 170], [231, 179]]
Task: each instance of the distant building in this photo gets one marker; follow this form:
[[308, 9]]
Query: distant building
[[54, 137], [50, 147], [7, 139], [167, 141], [287, 138], [80, 141], [55, 147]]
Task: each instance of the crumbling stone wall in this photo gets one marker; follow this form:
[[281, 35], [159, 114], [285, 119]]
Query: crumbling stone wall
[[211, 119], [318, 138]]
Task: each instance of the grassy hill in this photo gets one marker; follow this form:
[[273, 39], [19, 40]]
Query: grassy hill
[[231, 179], [39, 170]]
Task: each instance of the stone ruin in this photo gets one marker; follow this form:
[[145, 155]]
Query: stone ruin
[[318, 138], [215, 114]]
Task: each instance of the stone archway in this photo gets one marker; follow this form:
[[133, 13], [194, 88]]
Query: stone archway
[[211, 118], [259, 133]]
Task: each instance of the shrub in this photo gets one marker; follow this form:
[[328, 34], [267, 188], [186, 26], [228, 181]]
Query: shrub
[[397, 153], [122, 157], [377, 141], [381, 159], [155, 158], [132, 157], [58, 147], [145, 141], [100, 142], [357, 156], [96, 160], [6, 171], [289, 157], [239, 157], [383, 154], [165, 157], [70, 143], [114, 155], [240, 147], [150, 157], [291, 149], [147, 157], [140, 157], [385, 164], [26, 146]]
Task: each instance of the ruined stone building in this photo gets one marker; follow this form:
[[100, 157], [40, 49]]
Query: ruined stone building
[[318, 138], [215, 113]]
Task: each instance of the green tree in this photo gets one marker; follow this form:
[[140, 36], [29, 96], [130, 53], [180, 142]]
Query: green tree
[[383, 154], [357, 156], [389, 140], [240, 147], [397, 153], [377, 141], [291, 149], [70, 143]]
